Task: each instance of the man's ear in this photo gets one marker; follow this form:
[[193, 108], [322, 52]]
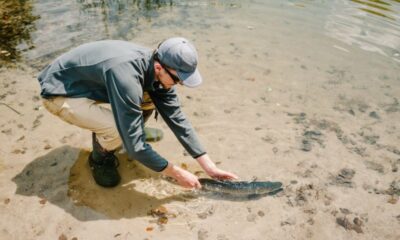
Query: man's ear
[[157, 66]]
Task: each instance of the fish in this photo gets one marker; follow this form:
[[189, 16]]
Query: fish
[[240, 188]]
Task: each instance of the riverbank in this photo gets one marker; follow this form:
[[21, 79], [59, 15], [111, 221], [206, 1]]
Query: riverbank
[[332, 141]]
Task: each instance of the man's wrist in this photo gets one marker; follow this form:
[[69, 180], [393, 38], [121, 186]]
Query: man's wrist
[[171, 171], [168, 169], [206, 163], [201, 154]]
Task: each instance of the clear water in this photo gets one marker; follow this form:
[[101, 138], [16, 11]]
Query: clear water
[[50, 27]]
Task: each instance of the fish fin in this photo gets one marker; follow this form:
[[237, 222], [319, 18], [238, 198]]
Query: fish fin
[[275, 191]]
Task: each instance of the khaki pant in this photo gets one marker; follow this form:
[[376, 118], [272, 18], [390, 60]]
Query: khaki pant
[[94, 116]]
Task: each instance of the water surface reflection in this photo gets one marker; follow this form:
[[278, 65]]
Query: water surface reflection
[[372, 25], [16, 23]]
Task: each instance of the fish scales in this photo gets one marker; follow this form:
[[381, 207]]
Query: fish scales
[[239, 187]]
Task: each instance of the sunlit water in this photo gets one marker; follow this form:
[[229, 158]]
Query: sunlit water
[[57, 25]]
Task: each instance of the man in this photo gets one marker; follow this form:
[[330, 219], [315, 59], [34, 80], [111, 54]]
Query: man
[[131, 79]]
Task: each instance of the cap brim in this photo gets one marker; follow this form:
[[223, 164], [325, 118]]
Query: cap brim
[[192, 79]]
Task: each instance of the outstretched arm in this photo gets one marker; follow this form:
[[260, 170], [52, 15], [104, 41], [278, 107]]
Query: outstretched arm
[[189, 180]]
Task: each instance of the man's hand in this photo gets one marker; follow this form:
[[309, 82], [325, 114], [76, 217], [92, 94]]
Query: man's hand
[[212, 170], [183, 177]]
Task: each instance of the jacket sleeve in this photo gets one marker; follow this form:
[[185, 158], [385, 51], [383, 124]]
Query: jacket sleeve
[[167, 104], [125, 93]]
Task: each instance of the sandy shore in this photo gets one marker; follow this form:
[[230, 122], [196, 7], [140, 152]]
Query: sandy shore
[[328, 131]]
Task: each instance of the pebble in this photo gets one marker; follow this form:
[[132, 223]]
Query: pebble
[[261, 213], [62, 237], [289, 221], [47, 146]]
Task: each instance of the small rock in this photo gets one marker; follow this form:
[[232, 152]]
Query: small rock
[[345, 211], [394, 167], [310, 211], [47, 146], [149, 229], [159, 211], [162, 220], [306, 145], [314, 165], [393, 199], [357, 221], [7, 201], [62, 237], [300, 199], [261, 213], [344, 222], [311, 221], [7, 132], [394, 188], [344, 178], [374, 115], [37, 121], [198, 173], [289, 221], [269, 139], [275, 150], [334, 213], [184, 166], [18, 151]]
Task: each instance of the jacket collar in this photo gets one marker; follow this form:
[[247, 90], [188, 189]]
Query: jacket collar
[[150, 80]]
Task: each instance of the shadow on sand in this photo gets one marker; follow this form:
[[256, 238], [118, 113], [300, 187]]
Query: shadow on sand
[[63, 178]]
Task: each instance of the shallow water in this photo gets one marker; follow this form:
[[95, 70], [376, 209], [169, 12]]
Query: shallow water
[[301, 92], [42, 29]]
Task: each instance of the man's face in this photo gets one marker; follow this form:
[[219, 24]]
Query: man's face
[[166, 76]]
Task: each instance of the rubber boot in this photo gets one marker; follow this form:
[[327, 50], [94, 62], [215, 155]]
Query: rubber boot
[[104, 165], [152, 134]]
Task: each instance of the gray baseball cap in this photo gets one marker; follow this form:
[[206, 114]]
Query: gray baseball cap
[[179, 54]]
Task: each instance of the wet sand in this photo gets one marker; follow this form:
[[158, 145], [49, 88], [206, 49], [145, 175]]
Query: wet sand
[[322, 120]]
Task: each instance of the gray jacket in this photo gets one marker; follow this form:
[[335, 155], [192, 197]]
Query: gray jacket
[[118, 72]]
